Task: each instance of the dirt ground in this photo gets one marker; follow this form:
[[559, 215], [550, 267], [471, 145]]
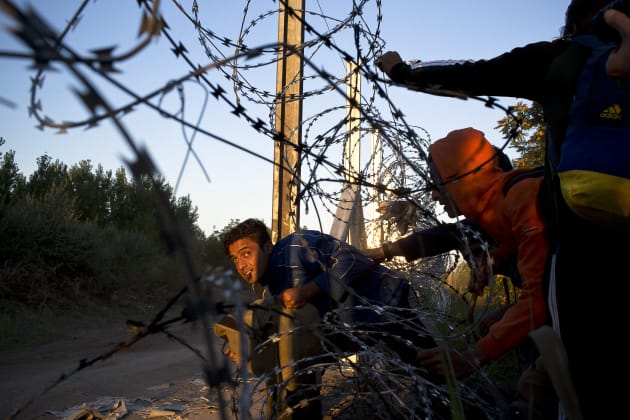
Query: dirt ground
[[156, 377], [160, 378]]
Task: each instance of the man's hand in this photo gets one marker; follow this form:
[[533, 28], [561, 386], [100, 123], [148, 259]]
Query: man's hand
[[296, 297], [388, 61], [377, 254], [293, 298], [618, 64]]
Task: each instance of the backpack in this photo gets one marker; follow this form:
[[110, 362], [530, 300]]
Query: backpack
[[594, 164], [509, 267]]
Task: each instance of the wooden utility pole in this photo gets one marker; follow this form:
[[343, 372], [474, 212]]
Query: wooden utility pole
[[286, 211]]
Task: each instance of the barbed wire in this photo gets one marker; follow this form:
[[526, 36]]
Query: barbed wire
[[380, 382]]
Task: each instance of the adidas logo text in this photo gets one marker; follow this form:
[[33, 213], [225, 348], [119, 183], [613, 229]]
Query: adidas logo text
[[613, 112]]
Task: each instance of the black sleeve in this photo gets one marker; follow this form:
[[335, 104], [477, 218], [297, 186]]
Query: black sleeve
[[433, 241], [400, 73], [439, 239], [518, 73]]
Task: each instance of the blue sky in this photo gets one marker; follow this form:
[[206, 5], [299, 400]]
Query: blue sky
[[230, 184]]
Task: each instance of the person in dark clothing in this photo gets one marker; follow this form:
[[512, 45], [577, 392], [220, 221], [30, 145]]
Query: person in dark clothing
[[585, 257], [313, 269]]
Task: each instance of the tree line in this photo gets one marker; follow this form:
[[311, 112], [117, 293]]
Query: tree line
[[83, 232]]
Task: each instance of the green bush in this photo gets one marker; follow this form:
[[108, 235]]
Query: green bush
[[50, 260]]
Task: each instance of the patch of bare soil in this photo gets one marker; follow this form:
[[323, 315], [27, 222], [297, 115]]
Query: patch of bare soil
[[155, 377]]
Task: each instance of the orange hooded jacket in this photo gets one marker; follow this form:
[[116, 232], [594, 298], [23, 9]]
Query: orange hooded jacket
[[513, 220]]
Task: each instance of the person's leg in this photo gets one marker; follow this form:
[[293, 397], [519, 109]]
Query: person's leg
[[590, 273], [537, 396]]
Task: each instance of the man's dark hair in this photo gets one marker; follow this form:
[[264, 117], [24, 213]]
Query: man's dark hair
[[579, 15], [504, 160], [250, 228]]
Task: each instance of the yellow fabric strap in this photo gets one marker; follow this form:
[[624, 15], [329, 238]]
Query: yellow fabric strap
[[598, 197]]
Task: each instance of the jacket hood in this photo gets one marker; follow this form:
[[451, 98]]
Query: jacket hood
[[468, 167]]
